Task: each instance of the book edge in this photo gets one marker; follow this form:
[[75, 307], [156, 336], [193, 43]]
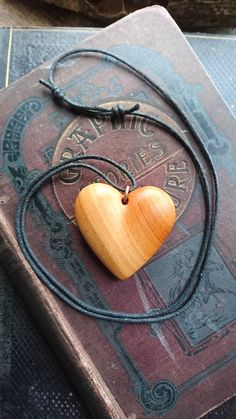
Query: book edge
[[58, 330], [139, 11]]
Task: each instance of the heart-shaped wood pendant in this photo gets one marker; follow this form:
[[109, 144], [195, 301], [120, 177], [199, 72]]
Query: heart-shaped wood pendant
[[124, 236]]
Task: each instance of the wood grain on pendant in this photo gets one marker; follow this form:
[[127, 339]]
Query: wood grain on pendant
[[124, 237]]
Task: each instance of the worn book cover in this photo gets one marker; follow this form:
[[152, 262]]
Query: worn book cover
[[30, 391], [162, 369]]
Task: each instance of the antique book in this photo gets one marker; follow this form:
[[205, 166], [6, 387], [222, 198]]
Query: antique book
[[18, 327], [126, 369]]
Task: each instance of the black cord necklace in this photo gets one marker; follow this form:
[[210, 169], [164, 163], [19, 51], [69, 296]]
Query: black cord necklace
[[210, 194]]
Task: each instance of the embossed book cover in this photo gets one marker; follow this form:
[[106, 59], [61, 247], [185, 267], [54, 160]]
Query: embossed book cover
[[181, 367]]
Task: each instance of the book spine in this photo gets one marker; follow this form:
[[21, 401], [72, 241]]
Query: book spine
[[46, 310]]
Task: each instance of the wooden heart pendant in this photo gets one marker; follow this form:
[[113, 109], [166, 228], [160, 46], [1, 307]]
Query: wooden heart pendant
[[124, 236]]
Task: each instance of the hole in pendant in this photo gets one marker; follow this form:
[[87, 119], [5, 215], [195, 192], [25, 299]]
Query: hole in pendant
[[125, 201], [125, 196]]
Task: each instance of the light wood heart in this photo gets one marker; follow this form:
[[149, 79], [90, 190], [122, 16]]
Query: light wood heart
[[124, 236]]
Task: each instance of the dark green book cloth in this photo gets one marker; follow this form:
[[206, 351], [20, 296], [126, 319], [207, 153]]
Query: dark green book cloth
[[32, 382]]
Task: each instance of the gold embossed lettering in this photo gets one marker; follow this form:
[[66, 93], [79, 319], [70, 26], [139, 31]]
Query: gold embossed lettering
[[175, 168], [174, 182], [97, 123], [81, 138], [143, 129]]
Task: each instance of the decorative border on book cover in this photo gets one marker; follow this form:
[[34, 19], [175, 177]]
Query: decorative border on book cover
[[162, 395]]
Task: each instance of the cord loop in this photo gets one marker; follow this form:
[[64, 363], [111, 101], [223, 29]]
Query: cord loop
[[208, 184]]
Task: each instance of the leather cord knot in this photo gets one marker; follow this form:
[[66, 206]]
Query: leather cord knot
[[57, 92], [119, 111]]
